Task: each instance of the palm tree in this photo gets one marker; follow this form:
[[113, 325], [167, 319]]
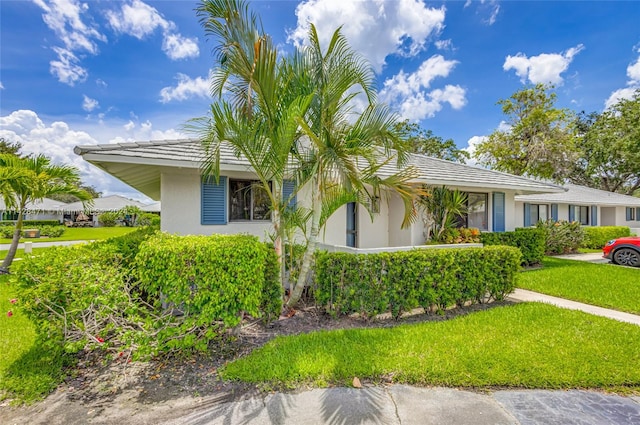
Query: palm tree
[[256, 106], [29, 179], [341, 159]]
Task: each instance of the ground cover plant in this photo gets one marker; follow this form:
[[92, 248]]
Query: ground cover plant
[[81, 234], [527, 345], [603, 285]]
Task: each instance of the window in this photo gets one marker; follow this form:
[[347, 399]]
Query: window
[[539, 212], [630, 214], [581, 214], [248, 201], [477, 214]]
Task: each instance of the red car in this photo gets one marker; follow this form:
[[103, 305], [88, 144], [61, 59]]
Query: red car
[[624, 251]]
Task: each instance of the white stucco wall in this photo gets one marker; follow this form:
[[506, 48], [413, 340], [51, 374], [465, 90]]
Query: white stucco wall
[[180, 195]]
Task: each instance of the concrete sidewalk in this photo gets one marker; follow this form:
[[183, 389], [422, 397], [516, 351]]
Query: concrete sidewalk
[[394, 404], [522, 295]]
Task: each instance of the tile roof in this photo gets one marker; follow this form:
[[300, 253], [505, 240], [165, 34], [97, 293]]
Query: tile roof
[[107, 203], [188, 152], [582, 195]]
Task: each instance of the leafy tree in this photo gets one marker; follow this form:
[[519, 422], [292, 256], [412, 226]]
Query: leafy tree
[[67, 198], [610, 148], [426, 143], [7, 147], [32, 179], [341, 159], [538, 141]]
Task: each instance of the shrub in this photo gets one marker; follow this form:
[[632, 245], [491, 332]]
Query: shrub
[[52, 231], [396, 282], [127, 246], [562, 237], [530, 241], [148, 219], [597, 237], [210, 281], [108, 218], [32, 223], [460, 235], [6, 232], [76, 297]]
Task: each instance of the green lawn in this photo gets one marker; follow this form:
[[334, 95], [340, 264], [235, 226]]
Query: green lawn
[[604, 285], [20, 252], [82, 234], [527, 345], [28, 371]]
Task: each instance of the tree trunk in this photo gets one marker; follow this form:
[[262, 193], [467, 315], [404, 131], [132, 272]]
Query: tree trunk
[[14, 245], [316, 205]]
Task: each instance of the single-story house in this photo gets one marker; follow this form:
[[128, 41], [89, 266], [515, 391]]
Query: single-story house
[[170, 171], [46, 209], [111, 203], [154, 207], [591, 207]]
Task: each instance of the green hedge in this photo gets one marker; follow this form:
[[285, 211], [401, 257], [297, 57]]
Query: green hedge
[[530, 241], [396, 282], [209, 280], [31, 223], [597, 237]]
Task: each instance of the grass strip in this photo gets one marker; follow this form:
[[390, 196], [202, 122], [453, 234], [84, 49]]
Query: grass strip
[[81, 234], [527, 345], [604, 285], [28, 370]]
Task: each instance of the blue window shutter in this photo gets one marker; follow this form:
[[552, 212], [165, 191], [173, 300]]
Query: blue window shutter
[[554, 212], [527, 214], [213, 206], [498, 212], [594, 215], [638, 214], [572, 212], [288, 187]]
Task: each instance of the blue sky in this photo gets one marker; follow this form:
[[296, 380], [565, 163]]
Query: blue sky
[[75, 72]]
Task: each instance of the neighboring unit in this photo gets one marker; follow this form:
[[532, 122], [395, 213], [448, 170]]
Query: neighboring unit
[[590, 207], [111, 203], [170, 171], [46, 209]]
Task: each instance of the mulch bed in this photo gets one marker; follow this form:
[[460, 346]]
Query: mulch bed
[[159, 380]]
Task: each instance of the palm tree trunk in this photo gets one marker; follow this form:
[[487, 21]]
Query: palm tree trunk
[[316, 206], [14, 245]]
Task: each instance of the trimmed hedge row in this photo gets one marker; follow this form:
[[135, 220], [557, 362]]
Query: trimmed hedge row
[[31, 223], [396, 282], [49, 231], [597, 237], [530, 241]]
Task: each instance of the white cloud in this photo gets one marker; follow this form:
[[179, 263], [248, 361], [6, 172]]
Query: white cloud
[[177, 47], [66, 68], [65, 19], [471, 148], [187, 88], [633, 72], [408, 93], [444, 44], [58, 139], [89, 104], [129, 126], [145, 131], [490, 7], [374, 28], [544, 68], [101, 83], [138, 19], [1, 86]]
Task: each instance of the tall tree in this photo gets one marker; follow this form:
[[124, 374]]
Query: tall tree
[[33, 178], [67, 198], [426, 143], [256, 107], [609, 145], [341, 159], [538, 140], [9, 147]]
